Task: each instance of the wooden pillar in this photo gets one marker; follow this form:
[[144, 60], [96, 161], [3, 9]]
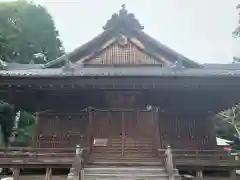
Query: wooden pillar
[[16, 173], [48, 174], [123, 132], [81, 174], [157, 131], [169, 163], [233, 175], [199, 175], [77, 163], [90, 132]]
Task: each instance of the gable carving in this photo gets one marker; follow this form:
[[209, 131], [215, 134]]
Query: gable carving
[[124, 52]]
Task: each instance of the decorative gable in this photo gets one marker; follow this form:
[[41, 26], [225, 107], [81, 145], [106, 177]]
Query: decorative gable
[[123, 42], [122, 51]]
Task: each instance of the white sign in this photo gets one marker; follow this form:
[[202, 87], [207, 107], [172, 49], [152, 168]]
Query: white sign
[[100, 142]]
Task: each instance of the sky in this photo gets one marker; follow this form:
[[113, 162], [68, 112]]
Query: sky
[[198, 29]]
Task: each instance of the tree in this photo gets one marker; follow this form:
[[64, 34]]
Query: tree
[[229, 125], [232, 117], [27, 31], [6, 120], [24, 132]]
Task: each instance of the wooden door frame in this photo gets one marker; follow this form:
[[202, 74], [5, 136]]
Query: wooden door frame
[[123, 134]]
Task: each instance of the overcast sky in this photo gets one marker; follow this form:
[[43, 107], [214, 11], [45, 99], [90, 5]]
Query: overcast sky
[[199, 29]]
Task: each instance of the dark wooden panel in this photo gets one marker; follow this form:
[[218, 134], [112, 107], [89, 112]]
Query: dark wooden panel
[[61, 131], [116, 126], [101, 124], [130, 123], [146, 126], [189, 131]]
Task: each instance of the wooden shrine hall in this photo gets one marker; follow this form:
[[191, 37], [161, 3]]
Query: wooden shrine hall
[[124, 97]]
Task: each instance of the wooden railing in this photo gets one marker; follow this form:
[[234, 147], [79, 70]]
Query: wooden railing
[[191, 157], [179, 156], [45, 152], [33, 157]]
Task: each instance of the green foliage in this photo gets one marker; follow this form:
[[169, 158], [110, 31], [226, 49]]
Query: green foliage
[[6, 120], [26, 126], [27, 29], [25, 130]]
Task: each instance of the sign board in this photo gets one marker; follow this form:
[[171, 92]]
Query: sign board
[[100, 142]]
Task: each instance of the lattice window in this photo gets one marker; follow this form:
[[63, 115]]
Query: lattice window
[[123, 55]]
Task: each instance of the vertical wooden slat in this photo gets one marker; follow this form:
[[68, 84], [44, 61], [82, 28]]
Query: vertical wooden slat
[[127, 54]]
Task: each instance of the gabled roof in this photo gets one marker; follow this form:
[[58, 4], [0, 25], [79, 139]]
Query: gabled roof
[[233, 66], [17, 66], [123, 23]]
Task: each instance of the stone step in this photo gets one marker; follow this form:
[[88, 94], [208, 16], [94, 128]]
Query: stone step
[[125, 151], [128, 172], [139, 170], [145, 159], [126, 156], [124, 162], [131, 142], [114, 156], [125, 147], [131, 178]]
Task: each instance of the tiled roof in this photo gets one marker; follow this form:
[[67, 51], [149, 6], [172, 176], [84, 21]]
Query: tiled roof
[[122, 71], [17, 66]]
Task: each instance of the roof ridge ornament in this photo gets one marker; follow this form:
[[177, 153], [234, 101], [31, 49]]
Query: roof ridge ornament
[[123, 19], [236, 32], [123, 11], [178, 65], [3, 65], [68, 66]]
